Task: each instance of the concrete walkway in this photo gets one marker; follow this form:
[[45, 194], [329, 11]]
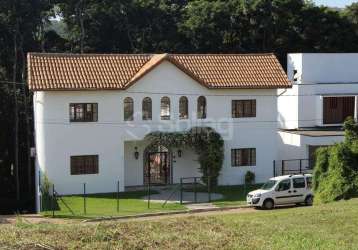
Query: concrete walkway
[[173, 196]]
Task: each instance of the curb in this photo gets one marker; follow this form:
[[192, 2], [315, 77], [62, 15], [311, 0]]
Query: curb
[[159, 214]]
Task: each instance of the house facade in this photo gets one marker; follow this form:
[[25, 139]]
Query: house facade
[[92, 113], [311, 114]]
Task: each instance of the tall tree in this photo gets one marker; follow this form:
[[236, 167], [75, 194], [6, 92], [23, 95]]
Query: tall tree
[[20, 21]]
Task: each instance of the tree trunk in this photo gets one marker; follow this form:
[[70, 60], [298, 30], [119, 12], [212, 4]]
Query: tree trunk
[[16, 121]]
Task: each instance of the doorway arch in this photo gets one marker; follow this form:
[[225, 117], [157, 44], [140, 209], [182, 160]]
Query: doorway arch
[[157, 167]]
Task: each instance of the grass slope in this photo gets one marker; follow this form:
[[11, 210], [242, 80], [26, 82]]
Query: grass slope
[[329, 226]]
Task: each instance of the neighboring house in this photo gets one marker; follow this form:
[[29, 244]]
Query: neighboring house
[[312, 112], [92, 113]]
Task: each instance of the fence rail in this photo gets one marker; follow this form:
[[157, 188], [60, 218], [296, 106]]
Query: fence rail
[[53, 203], [293, 166]]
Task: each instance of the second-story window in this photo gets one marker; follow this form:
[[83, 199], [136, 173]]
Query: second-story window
[[243, 108], [83, 112], [183, 108], [201, 109], [147, 108], [165, 108], [128, 109]]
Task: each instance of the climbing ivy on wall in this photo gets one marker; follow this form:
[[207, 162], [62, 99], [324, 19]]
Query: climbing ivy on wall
[[205, 141]]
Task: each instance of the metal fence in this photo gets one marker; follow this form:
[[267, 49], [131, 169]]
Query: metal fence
[[51, 200], [188, 190], [293, 166]]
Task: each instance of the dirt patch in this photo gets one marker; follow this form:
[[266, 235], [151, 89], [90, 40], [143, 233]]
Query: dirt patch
[[32, 219]]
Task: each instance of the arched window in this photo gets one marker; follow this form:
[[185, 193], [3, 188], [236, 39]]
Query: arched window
[[201, 112], [128, 109], [183, 108], [165, 108], [147, 108]]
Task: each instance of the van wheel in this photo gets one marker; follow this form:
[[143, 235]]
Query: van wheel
[[268, 204], [309, 200]]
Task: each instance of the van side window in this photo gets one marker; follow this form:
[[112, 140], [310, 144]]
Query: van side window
[[309, 182], [299, 183], [284, 185]]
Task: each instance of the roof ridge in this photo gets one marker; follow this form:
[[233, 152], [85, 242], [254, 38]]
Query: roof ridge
[[223, 54]]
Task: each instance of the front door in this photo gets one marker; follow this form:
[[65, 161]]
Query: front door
[[157, 169], [283, 192]]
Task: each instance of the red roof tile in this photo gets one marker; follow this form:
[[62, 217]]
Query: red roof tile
[[117, 71]]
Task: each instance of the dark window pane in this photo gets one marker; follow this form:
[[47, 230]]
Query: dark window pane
[[165, 108], [243, 157], [183, 108], [201, 109], [243, 108], [128, 109], [84, 164], [337, 109], [83, 112], [284, 185], [299, 183], [147, 108]]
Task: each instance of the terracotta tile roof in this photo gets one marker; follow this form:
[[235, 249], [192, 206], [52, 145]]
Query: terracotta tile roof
[[117, 71]]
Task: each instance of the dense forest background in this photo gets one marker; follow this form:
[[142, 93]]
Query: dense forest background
[[145, 26]]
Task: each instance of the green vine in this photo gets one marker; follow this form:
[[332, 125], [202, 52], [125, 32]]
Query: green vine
[[205, 141]]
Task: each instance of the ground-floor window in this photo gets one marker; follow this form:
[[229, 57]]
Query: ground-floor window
[[84, 164], [243, 157]]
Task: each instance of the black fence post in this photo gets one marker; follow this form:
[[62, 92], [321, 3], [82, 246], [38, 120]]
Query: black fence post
[[195, 195], [300, 166], [282, 167], [84, 199], [181, 190], [40, 194], [53, 200], [117, 196], [149, 193], [209, 189], [274, 168]]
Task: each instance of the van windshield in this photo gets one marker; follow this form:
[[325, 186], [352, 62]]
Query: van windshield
[[268, 185]]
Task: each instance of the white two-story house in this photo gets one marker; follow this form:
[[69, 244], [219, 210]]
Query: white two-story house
[[311, 113], [92, 113]]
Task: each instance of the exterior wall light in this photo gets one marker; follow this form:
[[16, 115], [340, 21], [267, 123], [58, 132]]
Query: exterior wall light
[[179, 153], [136, 153]]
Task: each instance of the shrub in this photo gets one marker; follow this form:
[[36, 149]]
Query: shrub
[[336, 171], [249, 177], [46, 193]]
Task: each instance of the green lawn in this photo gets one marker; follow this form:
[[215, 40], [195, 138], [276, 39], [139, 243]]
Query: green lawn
[[232, 195], [98, 205], [330, 226]]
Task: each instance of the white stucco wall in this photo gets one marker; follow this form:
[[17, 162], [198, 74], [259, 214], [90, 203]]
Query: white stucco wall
[[318, 75], [294, 146], [57, 139]]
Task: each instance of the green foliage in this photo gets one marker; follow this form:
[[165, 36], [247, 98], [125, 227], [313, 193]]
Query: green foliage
[[336, 170], [249, 177], [45, 187], [46, 193], [207, 143]]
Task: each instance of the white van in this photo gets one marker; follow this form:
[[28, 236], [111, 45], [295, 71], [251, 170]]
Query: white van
[[287, 189]]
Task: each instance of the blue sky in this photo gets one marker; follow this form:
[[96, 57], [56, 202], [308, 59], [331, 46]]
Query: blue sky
[[335, 3]]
